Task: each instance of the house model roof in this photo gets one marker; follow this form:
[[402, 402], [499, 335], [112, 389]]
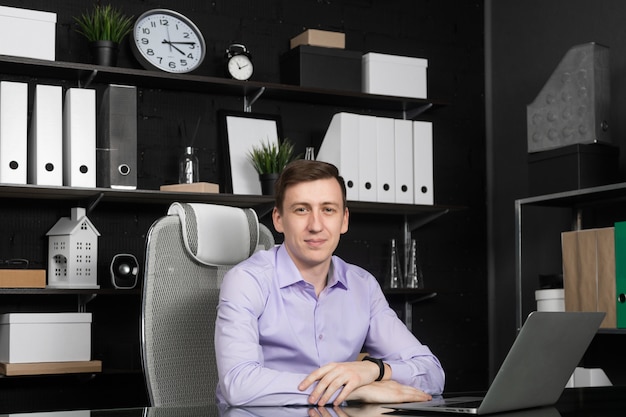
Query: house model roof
[[68, 225]]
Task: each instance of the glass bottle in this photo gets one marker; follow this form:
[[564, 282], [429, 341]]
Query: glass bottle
[[188, 167], [394, 273], [413, 273]]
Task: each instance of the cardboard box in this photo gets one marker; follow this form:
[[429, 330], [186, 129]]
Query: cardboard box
[[315, 37], [589, 272], [572, 167], [22, 278], [45, 337], [34, 33], [196, 187], [393, 75], [319, 67]]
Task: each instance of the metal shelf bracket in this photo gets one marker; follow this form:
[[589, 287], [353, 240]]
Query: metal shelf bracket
[[83, 299], [249, 100], [413, 113], [90, 78], [408, 308]]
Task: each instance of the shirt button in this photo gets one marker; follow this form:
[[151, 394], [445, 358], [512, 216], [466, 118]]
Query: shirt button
[[320, 337]]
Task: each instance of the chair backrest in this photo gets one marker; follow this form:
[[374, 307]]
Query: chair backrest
[[187, 254]]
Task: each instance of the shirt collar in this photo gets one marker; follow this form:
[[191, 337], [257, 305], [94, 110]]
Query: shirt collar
[[287, 273]]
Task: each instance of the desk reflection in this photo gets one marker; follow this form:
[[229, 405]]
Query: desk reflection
[[366, 410], [303, 411]]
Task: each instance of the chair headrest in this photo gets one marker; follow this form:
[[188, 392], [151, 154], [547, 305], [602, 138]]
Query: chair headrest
[[217, 235]]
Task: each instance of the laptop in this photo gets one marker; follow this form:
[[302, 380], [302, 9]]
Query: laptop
[[535, 371]]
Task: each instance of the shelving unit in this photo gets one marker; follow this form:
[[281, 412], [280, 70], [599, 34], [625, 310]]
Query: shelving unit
[[85, 75], [576, 201], [414, 216]]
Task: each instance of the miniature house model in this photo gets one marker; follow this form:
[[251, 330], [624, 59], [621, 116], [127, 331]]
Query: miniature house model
[[73, 252]]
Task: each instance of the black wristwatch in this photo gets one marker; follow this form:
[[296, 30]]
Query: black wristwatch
[[381, 366]]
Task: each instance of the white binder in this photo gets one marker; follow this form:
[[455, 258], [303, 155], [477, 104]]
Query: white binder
[[45, 138], [423, 192], [13, 132], [340, 148], [367, 137], [79, 138], [385, 169], [403, 135]]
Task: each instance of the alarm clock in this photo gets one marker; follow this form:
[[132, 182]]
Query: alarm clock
[[238, 62], [166, 40]]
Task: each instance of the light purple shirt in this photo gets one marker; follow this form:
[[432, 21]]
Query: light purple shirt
[[272, 331]]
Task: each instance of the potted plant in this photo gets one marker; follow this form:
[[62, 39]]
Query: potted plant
[[269, 159], [104, 27]]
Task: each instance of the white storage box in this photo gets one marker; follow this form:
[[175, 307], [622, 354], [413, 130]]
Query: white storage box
[[45, 337], [393, 75], [27, 33]]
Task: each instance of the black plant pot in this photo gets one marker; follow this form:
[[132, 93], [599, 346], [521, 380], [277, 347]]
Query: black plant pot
[[267, 183], [104, 53]]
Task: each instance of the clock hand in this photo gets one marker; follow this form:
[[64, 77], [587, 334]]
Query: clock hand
[[172, 46], [167, 31], [183, 43]]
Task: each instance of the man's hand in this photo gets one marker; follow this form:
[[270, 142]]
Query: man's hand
[[387, 392], [335, 376]]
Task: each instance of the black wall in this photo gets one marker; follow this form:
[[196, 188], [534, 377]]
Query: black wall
[[452, 249], [525, 42]]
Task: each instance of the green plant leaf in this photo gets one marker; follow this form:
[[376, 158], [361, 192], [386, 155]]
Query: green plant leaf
[[104, 23], [270, 158]]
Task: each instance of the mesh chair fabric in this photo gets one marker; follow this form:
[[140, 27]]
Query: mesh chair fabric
[[179, 308]]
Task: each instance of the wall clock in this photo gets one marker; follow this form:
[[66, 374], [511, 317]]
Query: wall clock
[[239, 62], [168, 41]]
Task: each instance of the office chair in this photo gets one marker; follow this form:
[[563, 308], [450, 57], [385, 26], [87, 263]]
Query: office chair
[[187, 254]]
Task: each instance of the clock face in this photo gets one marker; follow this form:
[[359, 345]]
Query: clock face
[[240, 67], [166, 40]]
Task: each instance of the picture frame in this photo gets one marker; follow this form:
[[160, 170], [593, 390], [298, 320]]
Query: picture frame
[[240, 132]]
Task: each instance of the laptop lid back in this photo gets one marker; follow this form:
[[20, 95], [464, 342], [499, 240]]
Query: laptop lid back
[[545, 353]]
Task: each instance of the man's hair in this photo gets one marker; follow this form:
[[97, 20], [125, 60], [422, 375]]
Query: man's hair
[[303, 170]]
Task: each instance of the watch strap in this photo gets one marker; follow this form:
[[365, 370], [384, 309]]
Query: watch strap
[[381, 366]]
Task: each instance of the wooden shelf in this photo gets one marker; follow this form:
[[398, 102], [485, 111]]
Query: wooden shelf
[[85, 74], [67, 291], [593, 196], [91, 196], [50, 368], [612, 331]]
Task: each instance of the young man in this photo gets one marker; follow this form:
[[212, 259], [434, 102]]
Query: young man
[[292, 320]]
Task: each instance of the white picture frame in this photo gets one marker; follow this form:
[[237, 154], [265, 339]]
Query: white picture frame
[[241, 132]]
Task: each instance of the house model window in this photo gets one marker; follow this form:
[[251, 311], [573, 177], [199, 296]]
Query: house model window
[[73, 252]]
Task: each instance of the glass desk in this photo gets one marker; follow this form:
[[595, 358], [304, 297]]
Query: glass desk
[[575, 402]]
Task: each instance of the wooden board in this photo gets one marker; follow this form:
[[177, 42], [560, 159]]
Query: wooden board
[[196, 187], [22, 278], [50, 368]]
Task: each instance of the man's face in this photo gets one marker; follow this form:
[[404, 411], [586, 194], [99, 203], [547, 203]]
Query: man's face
[[312, 220]]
